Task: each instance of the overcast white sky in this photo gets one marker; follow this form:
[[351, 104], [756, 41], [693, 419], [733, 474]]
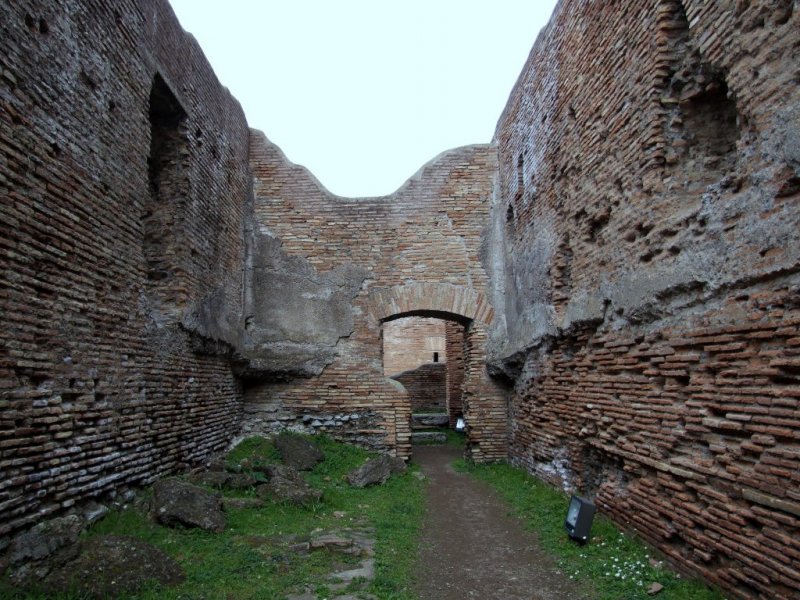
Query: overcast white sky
[[364, 92]]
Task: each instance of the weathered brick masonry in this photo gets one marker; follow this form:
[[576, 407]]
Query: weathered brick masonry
[[124, 185], [413, 253], [454, 347], [411, 342], [426, 386], [645, 274], [410, 346], [626, 253]]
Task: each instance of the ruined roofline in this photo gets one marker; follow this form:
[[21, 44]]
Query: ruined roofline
[[417, 176], [543, 41], [166, 16]]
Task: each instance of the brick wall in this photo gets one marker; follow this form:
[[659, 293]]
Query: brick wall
[[120, 285], [625, 253], [454, 340], [426, 386], [411, 342], [485, 404], [645, 276], [428, 233]]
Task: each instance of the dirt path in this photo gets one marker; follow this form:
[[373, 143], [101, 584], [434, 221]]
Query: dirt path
[[472, 548]]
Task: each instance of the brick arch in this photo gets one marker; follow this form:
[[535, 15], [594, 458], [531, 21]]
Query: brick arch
[[426, 298], [483, 401]]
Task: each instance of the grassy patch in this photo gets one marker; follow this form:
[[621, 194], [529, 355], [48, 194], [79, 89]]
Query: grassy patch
[[395, 510], [251, 558], [613, 565], [250, 453], [455, 438]]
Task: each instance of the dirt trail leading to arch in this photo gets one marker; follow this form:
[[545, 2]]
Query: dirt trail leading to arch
[[472, 547]]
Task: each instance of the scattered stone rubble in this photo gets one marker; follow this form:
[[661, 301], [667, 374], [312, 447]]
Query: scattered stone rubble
[[108, 566], [376, 471], [287, 485], [359, 541], [223, 480], [176, 502], [297, 452], [51, 555]]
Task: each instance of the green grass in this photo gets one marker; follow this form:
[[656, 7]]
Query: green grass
[[454, 438], [613, 565], [250, 453], [249, 560]]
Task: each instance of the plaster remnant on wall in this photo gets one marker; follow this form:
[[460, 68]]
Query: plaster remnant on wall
[[295, 333]]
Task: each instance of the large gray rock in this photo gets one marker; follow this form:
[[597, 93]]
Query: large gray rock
[[240, 481], [376, 471], [220, 479], [109, 566], [33, 554], [296, 451], [43, 540], [176, 502], [287, 485]]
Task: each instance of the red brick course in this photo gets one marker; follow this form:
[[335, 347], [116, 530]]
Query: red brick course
[[426, 386], [647, 215], [411, 342], [108, 378], [689, 443], [454, 338]]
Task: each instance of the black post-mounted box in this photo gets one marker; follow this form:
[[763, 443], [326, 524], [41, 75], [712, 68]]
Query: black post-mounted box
[[579, 518]]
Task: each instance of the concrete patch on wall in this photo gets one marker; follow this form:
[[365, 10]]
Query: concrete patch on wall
[[295, 332]]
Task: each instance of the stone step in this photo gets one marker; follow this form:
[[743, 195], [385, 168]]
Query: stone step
[[428, 437], [430, 419], [425, 428]]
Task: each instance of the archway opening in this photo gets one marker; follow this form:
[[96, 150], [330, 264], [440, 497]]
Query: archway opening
[[425, 353]]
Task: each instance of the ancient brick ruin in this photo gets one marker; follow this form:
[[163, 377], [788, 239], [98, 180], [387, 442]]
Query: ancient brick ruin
[[614, 280]]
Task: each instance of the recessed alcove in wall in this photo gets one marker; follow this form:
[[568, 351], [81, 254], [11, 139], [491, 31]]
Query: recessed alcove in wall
[[702, 118], [168, 180]]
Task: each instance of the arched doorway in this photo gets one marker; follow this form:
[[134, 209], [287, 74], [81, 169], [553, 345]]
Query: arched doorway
[[426, 355], [482, 401]]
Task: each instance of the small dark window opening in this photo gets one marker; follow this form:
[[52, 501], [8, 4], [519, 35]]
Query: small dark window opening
[[435, 357], [168, 182], [520, 175]]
